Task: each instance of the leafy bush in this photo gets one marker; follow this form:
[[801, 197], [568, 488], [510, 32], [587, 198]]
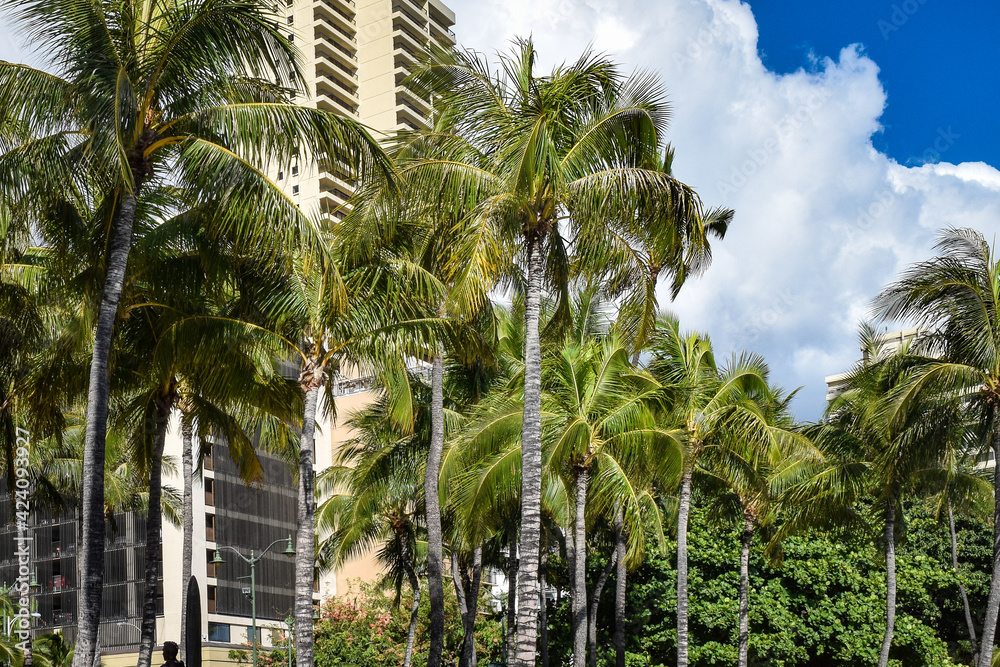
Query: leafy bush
[[370, 628]]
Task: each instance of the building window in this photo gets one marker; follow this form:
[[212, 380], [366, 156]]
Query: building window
[[291, 20], [209, 565], [291, 38], [210, 492], [295, 189], [211, 597], [295, 170], [281, 175], [218, 632], [210, 527]]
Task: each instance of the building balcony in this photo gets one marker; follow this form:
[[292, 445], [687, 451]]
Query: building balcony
[[404, 56], [405, 38], [333, 183], [331, 96], [327, 69], [405, 20], [405, 95], [441, 33], [329, 10], [338, 61], [413, 7], [407, 113], [330, 32]]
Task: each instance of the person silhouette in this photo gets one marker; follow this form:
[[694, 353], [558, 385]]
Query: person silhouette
[[170, 655]]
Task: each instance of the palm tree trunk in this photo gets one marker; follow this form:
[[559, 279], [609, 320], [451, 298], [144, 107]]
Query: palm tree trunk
[[467, 591], [890, 580], [961, 587], [744, 638], [682, 569], [154, 521], [459, 578], [595, 602], [512, 570], [580, 572], [435, 552], [187, 468], [312, 381], [993, 601], [543, 607], [415, 607], [92, 487], [472, 595], [531, 465], [621, 572]]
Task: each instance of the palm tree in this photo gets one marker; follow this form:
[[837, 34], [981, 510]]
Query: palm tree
[[194, 93], [388, 222], [895, 439], [530, 161], [957, 486], [703, 404], [373, 499], [955, 298], [669, 240], [744, 479], [51, 650], [332, 315], [221, 390], [602, 431]]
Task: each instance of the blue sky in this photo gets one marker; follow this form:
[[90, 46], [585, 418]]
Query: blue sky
[[939, 62]]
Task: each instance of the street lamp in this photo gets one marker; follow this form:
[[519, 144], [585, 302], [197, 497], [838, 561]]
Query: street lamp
[[252, 560], [289, 621]]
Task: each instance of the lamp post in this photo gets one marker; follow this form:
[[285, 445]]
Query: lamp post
[[289, 621], [252, 560]]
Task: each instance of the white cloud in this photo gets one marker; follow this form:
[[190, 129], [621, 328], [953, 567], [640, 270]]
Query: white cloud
[[823, 220]]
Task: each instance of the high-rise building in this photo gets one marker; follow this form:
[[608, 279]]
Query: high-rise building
[[356, 57], [893, 341]]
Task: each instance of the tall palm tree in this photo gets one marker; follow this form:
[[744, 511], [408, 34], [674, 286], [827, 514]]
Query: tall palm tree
[[192, 92], [955, 298], [892, 438], [373, 500], [602, 432], [668, 241], [956, 486], [703, 403], [331, 315], [744, 478], [390, 222], [530, 161]]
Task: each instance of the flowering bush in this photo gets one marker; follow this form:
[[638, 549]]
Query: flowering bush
[[368, 629]]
